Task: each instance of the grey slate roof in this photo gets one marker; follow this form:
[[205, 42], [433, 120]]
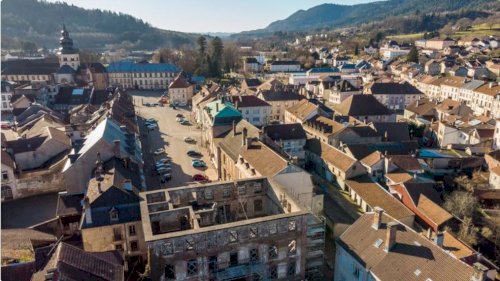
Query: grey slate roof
[[285, 131]]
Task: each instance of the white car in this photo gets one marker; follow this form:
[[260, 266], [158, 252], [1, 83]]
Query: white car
[[159, 151], [179, 119]]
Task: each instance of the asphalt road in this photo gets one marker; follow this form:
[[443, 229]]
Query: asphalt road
[[170, 136]]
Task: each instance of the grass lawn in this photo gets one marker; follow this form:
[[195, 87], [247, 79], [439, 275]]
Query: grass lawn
[[411, 36], [479, 30]]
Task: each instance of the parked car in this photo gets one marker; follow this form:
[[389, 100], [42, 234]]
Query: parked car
[[193, 153], [151, 127], [179, 115], [156, 104], [185, 122], [189, 139], [163, 161], [165, 177], [179, 119], [163, 171], [199, 164], [157, 168], [147, 104], [5, 125], [151, 120], [159, 151], [200, 177]]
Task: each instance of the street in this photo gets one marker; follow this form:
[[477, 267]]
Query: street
[[169, 135]]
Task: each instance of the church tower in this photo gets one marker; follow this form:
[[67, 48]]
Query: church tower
[[68, 55]]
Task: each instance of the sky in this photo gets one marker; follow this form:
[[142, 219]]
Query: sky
[[202, 16]]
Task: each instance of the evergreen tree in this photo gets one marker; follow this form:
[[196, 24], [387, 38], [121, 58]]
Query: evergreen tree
[[216, 58], [412, 55]]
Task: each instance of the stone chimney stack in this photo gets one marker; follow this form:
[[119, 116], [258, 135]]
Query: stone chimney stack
[[390, 238], [479, 272], [116, 148], [244, 137], [377, 217]]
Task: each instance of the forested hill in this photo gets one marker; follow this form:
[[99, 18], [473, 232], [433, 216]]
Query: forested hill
[[334, 15], [41, 22]]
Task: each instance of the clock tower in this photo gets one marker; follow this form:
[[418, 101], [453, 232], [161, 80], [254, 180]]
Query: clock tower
[[68, 55]]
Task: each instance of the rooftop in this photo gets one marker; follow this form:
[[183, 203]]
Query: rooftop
[[187, 210], [413, 257]]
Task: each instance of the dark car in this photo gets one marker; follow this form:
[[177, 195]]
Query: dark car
[[200, 177]]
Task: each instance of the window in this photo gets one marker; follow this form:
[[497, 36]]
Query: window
[[291, 268], [253, 232], [233, 236], [117, 233], [167, 248], [273, 229], [5, 176], [254, 255], [355, 270], [119, 247], [113, 214], [258, 188], [233, 259], [212, 263], [134, 246], [209, 194], [242, 209], [273, 272], [131, 230], [273, 252], [170, 272], [192, 267], [226, 193], [291, 225], [242, 190], [292, 248], [257, 205], [189, 244]]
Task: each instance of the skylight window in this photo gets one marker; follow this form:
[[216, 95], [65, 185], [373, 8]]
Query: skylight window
[[378, 243]]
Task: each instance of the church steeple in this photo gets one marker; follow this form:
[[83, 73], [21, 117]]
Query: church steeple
[[68, 54], [66, 43]]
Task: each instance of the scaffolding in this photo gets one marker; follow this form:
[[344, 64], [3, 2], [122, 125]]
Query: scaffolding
[[315, 251]]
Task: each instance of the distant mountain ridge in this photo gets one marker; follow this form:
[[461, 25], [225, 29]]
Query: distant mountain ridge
[[335, 15], [40, 22]]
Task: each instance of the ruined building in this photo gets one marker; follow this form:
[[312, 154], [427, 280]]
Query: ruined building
[[242, 230]]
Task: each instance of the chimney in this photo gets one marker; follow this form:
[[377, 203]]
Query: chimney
[[244, 137], [429, 233], [377, 217], [86, 207], [99, 169], [390, 238], [416, 104], [490, 85], [216, 107], [99, 187], [479, 273], [439, 239], [234, 128], [116, 148]]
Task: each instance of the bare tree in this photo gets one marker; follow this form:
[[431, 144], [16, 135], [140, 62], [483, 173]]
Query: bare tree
[[468, 232], [461, 203]]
